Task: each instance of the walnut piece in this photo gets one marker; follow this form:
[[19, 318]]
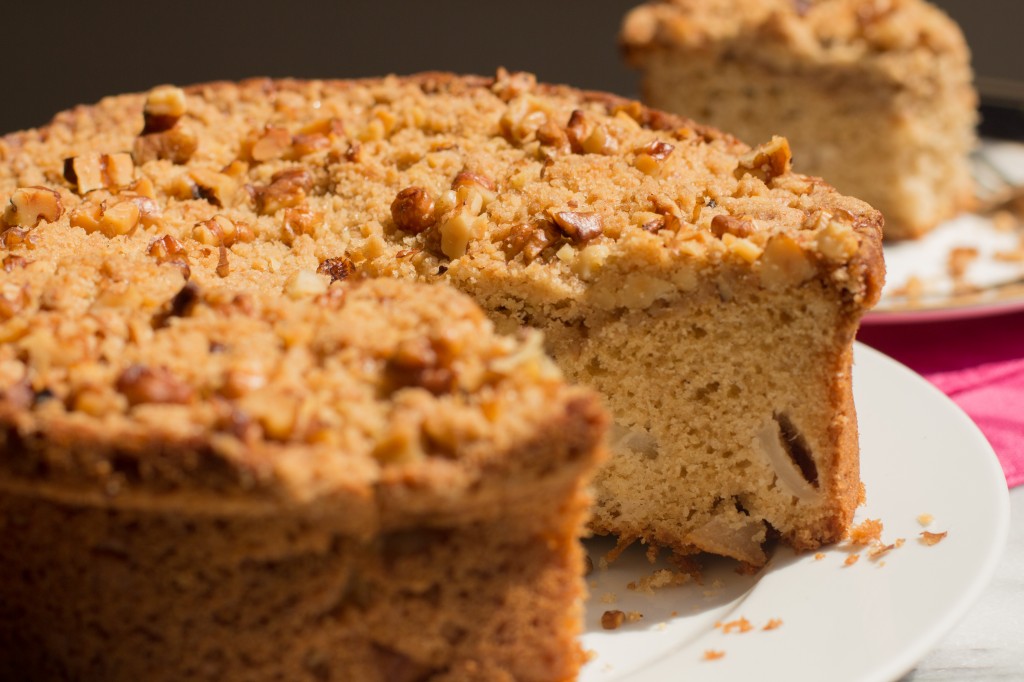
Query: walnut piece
[[176, 145], [766, 161], [421, 363], [298, 221], [530, 240], [221, 231], [272, 143], [217, 188], [578, 226], [729, 224], [141, 384], [88, 172], [337, 269], [287, 189], [29, 205], [169, 251], [165, 104], [413, 210]]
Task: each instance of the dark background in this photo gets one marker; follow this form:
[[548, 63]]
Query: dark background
[[59, 56]]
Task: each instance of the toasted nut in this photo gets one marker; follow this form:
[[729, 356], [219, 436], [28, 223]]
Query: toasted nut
[[86, 216], [730, 224], [217, 188], [306, 144], [16, 236], [287, 188], [120, 219], [577, 130], [337, 268], [141, 384], [165, 104], [166, 247], [329, 127], [221, 230], [649, 157], [467, 179], [176, 145], [29, 205], [577, 226], [298, 221], [551, 135], [530, 240], [93, 171], [272, 143], [456, 233], [600, 141], [149, 210], [766, 161], [657, 150], [413, 210], [524, 115], [509, 85]]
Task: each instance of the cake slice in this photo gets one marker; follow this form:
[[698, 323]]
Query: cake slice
[[269, 476], [706, 290], [875, 97]]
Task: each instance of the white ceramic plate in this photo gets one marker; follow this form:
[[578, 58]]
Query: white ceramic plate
[[992, 281], [873, 620]]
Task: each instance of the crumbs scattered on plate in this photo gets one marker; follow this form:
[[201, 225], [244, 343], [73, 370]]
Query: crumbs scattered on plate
[[713, 654], [932, 538], [925, 519]]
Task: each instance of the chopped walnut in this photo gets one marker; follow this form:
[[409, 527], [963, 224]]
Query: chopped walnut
[[287, 189], [304, 145], [217, 188], [120, 219], [766, 161], [272, 143], [298, 221], [413, 210], [728, 224], [221, 230], [522, 119], [169, 251], [305, 283], [578, 226], [29, 205], [141, 384], [509, 85], [88, 172], [530, 240], [176, 145], [337, 269], [550, 134], [467, 179], [165, 104]]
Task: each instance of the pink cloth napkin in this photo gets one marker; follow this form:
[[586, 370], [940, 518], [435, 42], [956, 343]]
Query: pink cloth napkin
[[979, 364]]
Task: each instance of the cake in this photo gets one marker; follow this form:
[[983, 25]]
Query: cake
[[875, 96], [706, 291], [239, 479]]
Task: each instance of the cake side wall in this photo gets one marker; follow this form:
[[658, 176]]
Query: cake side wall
[[903, 151], [129, 594], [702, 392]]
